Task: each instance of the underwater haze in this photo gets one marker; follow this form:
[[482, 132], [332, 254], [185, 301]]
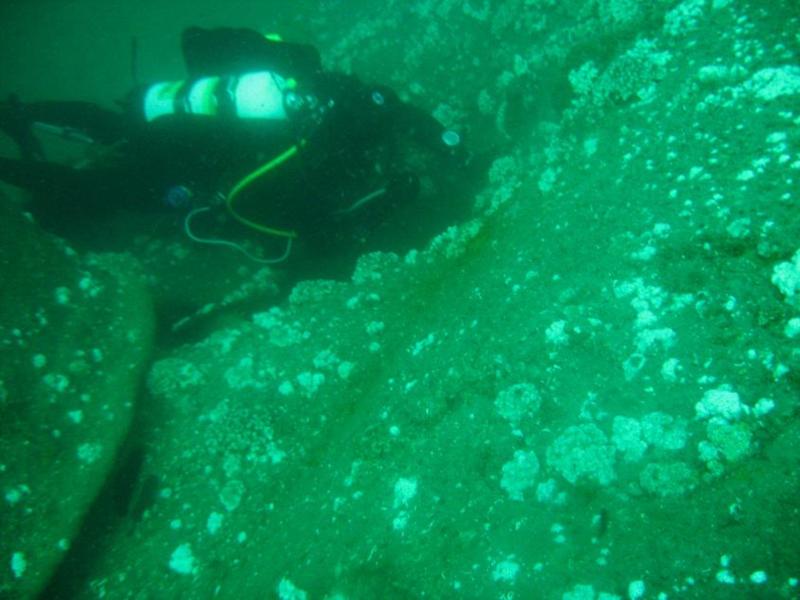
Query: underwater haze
[[588, 389]]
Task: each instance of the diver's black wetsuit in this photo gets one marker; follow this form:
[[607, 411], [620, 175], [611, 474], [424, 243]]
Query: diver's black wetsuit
[[361, 151]]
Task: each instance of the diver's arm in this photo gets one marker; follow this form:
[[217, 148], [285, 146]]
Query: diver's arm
[[425, 129]]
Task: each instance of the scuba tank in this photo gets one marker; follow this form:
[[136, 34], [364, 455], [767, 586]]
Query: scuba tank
[[258, 95]]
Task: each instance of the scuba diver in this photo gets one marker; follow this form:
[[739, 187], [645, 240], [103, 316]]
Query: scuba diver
[[260, 132]]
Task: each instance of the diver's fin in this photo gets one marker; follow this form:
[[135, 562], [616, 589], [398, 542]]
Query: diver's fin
[[61, 196], [38, 176], [16, 122], [81, 121], [226, 50]]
